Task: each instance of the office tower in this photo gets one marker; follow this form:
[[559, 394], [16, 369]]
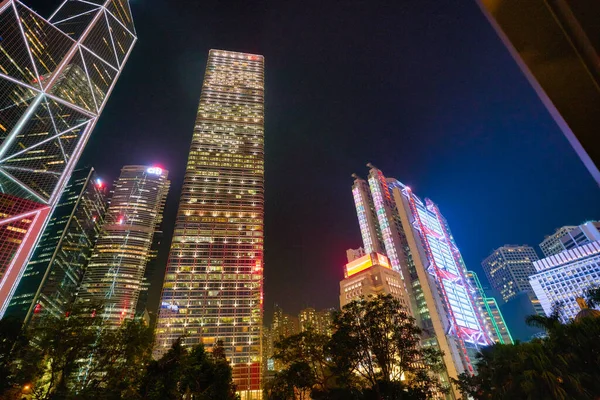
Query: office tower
[[488, 307], [508, 269], [215, 270], [562, 278], [56, 77], [307, 319], [569, 237], [557, 45], [552, 244], [367, 218], [116, 269], [371, 275], [282, 326], [325, 322], [420, 248], [54, 273]]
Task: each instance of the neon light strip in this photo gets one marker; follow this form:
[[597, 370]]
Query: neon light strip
[[23, 186], [18, 217], [112, 41], [5, 301], [450, 313], [459, 263], [74, 16], [43, 142], [20, 124]]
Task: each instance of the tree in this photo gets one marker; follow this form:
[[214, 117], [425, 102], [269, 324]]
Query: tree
[[18, 364], [375, 352], [62, 342], [564, 365], [193, 374], [593, 297], [377, 339], [116, 365]]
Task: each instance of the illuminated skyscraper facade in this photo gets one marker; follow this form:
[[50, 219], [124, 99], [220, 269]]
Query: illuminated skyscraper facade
[[508, 269], [55, 78], [421, 249], [54, 273], [562, 278], [494, 321], [569, 237], [214, 278], [115, 273]]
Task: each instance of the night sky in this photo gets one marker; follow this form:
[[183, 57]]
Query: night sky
[[423, 89]]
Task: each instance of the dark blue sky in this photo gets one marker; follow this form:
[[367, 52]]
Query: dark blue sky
[[423, 89]]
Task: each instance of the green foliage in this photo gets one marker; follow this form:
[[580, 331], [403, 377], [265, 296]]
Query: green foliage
[[593, 297], [193, 374], [564, 365], [74, 357], [374, 353]]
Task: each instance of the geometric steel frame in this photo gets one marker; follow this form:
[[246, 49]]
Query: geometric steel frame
[[63, 71], [478, 337]]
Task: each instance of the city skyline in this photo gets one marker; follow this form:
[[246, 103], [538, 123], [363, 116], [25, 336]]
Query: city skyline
[[294, 162]]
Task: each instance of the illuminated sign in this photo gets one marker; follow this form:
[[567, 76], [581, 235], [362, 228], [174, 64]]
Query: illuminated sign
[[154, 170], [366, 262]]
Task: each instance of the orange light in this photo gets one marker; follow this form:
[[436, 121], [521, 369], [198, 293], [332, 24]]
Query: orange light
[[366, 262], [358, 265]]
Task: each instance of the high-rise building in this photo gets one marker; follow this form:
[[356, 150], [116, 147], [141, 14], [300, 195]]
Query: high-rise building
[[116, 269], [557, 45], [495, 324], [307, 319], [54, 273], [367, 218], [552, 244], [508, 269], [214, 274], [569, 237], [371, 275], [562, 278], [420, 247], [56, 76]]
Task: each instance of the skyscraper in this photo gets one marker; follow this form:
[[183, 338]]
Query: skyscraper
[[495, 324], [420, 247], [569, 237], [508, 269], [214, 275], [562, 278], [557, 45], [56, 268], [552, 244], [56, 76], [116, 269]]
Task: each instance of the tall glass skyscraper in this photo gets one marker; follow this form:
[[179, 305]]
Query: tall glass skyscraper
[[54, 273], [55, 78], [214, 278], [495, 324], [420, 247], [116, 269]]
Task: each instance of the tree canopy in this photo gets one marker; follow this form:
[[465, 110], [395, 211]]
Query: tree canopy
[[563, 365], [375, 353]]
